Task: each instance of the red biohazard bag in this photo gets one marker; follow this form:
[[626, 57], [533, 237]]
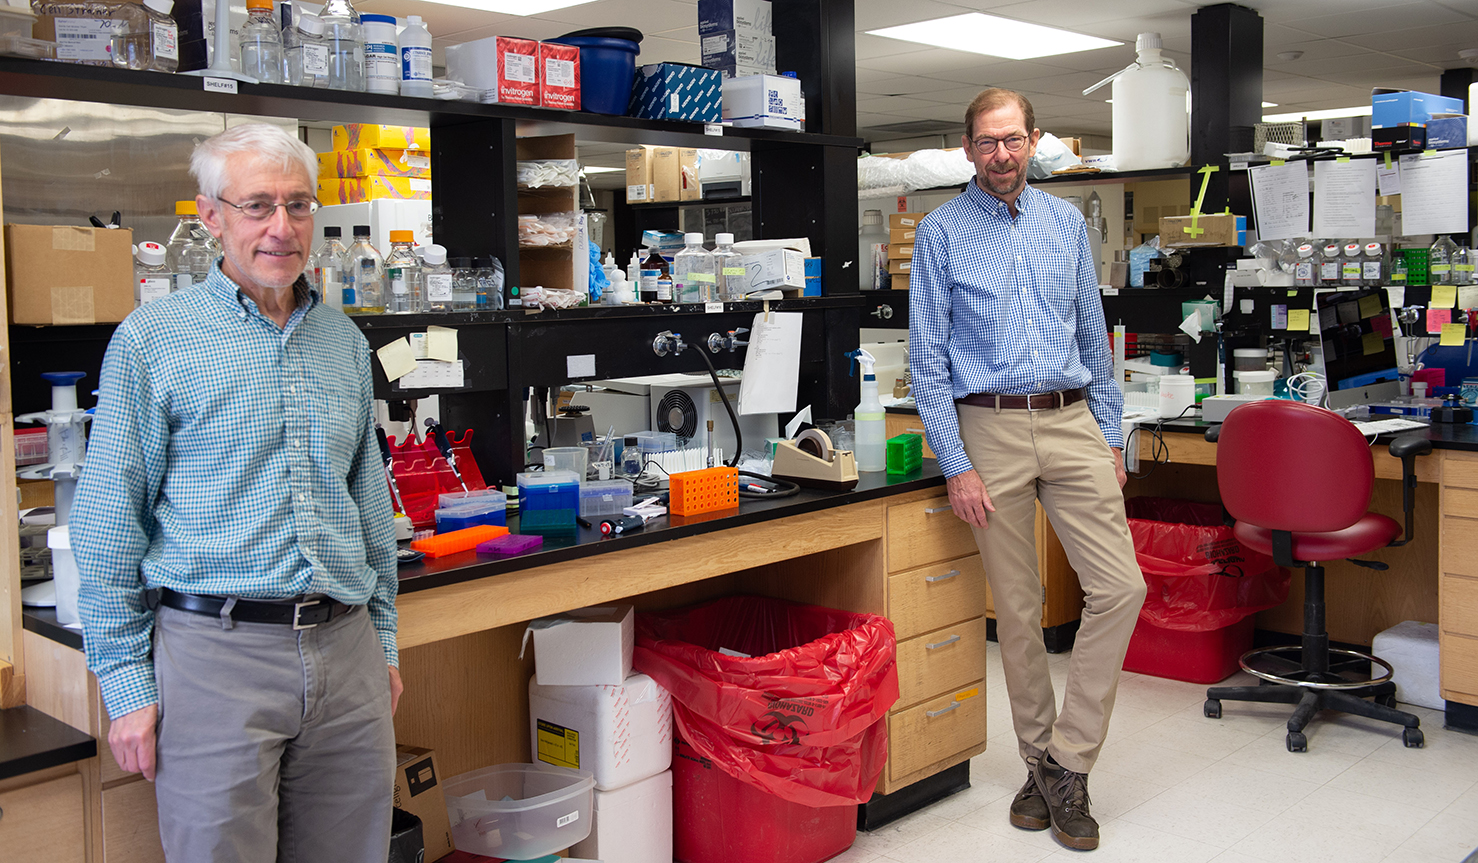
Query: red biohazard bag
[[1198, 576], [789, 698]]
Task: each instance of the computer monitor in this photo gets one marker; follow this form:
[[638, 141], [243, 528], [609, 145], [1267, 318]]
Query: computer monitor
[[1359, 347]]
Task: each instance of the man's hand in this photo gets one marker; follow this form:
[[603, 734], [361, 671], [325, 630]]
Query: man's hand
[[1119, 466], [968, 497], [396, 687], [131, 737]]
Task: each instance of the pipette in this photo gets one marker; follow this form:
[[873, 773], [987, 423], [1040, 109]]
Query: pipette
[[389, 466], [445, 446]]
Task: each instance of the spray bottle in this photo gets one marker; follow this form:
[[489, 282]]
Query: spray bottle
[[872, 445]]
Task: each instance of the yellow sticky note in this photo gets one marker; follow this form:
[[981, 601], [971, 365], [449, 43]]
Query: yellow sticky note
[[1453, 335], [1343, 159], [397, 359], [1372, 343], [1370, 306], [1298, 320], [441, 344], [1443, 297], [1276, 163]]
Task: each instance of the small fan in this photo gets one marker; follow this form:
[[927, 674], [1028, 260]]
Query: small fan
[[676, 413]]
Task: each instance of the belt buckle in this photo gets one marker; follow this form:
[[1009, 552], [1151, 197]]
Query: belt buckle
[[298, 613], [1056, 396]]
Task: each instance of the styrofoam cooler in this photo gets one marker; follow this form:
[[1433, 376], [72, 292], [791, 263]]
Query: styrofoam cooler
[[633, 823], [621, 734], [1412, 649]]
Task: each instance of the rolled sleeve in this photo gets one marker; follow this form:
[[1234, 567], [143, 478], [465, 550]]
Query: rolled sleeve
[[929, 325]]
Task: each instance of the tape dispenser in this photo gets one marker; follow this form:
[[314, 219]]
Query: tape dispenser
[[810, 461]]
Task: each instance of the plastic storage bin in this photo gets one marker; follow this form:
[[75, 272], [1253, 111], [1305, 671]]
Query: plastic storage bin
[[621, 734], [1196, 657], [607, 69], [605, 497], [633, 824], [651, 441], [548, 501], [519, 811]]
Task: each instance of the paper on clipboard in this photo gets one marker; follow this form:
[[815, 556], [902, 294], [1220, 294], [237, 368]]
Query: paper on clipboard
[[772, 364], [1434, 192], [1281, 196]]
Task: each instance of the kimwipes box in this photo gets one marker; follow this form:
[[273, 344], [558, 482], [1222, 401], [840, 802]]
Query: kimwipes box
[[67, 275], [417, 790], [584, 647]]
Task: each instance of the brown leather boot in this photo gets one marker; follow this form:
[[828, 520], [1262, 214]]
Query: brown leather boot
[[1029, 809], [1066, 794]]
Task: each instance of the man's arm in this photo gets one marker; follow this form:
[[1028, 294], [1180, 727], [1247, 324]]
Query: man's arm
[[1105, 398], [366, 481]]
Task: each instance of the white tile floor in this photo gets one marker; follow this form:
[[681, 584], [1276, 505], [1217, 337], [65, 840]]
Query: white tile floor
[[1174, 786]]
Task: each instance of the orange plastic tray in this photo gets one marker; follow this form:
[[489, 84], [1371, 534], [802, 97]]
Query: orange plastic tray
[[695, 491], [444, 544]]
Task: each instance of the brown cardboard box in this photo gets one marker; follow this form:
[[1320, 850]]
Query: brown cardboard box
[[897, 252], [67, 275], [900, 268], [667, 178], [904, 220], [639, 175], [688, 190], [900, 283], [1220, 230], [901, 235], [418, 791]]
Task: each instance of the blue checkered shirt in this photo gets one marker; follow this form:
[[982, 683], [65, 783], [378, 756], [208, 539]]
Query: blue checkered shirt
[[997, 305], [228, 456]]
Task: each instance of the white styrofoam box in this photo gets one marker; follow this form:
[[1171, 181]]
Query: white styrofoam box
[[767, 101], [622, 734], [716, 15], [632, 824], [383, 215], [777, 268], [584, 647], [1411, 648]]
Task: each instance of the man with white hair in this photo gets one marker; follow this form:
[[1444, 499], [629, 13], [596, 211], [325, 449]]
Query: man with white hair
[[234, 533]]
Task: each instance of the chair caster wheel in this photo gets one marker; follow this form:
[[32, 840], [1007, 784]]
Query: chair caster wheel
[[1212, 708], [1412, 738], [1297, 742], [1386, 701]]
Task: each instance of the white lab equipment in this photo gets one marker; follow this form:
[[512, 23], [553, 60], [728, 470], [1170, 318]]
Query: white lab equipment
[[66, 440], [1177, 395]]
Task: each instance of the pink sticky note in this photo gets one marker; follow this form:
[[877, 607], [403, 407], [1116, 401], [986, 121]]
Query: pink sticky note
[[1436, 318]]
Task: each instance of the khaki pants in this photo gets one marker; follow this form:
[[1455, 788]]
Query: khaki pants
[[1059, 457]]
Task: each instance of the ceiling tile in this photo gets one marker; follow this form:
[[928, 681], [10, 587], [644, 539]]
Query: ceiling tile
[[1422, 37], [904, 85], [641, 14], [869, 46], [1382, 19], [1074, 14]]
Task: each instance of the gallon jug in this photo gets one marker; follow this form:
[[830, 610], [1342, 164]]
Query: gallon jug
[[1152, 110]]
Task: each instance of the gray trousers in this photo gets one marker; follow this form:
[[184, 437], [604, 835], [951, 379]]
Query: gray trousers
[[273, 744]]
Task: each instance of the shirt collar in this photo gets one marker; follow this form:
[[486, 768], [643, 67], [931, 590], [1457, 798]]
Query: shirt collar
[[220, 284], [990, 203]]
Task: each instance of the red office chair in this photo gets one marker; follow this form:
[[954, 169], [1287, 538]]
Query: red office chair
[[1297, 479]]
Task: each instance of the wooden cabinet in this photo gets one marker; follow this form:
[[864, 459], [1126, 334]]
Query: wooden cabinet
[[131, 823], [44, 821], [1458, 585]]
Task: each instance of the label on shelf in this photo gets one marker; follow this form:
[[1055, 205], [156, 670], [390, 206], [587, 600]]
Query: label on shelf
[[713, 129], [713, 308], [219, 85]]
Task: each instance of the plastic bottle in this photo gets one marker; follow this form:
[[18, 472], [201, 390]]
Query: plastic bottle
[[728, 264], [633, 269], [1303, 268], [261, 43], [438, 278], [872, 251], [344, 40], [364, 276], [151, 279], [415, 59], [1152, 110], [381, 54], [307, 55], [654, 272], [188, 256], [328, 267], [1350, 270], [693, 279], [872, 443], [489, 275], [1439, 260], [406, 293], [464, 285], [1329, 271], [1463, 265], [608, 266], [1372, 272], [631, 461], [148, 38], [1397, 269], [94, 24]]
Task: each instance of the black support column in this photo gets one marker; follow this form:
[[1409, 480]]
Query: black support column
[[474, 209], [1226, 90], [816, 40], [1455, 83]]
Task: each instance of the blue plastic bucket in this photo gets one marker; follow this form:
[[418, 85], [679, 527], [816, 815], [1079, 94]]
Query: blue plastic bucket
[[607, 69]]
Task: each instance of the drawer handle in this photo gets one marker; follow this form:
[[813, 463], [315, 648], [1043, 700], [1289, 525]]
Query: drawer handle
[[933, 509], [942, 576], [933, 713], [945, 643], [914, 431]]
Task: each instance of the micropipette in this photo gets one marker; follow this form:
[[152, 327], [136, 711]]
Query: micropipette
[[389, 467], [445, 446]]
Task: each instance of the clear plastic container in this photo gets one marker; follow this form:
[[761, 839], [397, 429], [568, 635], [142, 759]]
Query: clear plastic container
[[364, 276], [653, 441], [605, 497], [1303, 268], [488, 271], [307, 55], [570, 458], [693, 277], [85, 28], [1372, 268], [1350, 274], [406, 293], [344, 40], [438, 277], [1255, 383], [261, 43], [1439, 261], [462, 510], [728, 264], [1329, 272], [148, 39], [476, 498], [464, 284], [519, 811], [548, 501], [327, 267]]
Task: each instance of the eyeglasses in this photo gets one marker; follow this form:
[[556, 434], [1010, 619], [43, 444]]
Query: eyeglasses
[[298, 208], [988, 145]]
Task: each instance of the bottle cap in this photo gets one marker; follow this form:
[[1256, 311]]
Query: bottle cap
[[163, 7], [259, 4], [1149, 41], [1372, 249], [1331, 250], [1306, 250], [433, 254], [310, 24], [692, 238], [1352, 249], [333, 231], [361, 230], [186, 208], [368, 18], [413, 19], [402, 236], [151, 254], [724, 239]]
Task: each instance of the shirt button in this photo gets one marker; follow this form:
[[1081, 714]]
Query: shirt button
[[297, 443], [1018, 257]]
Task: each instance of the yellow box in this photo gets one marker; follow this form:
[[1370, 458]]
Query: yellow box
[[375, 163], [356, 190], [355, 136]]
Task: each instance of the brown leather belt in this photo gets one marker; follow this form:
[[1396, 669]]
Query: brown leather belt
[[1033, 402]]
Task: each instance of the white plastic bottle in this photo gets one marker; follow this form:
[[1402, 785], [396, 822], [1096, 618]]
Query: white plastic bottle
[[438, 278], [1152, 110], [728, 265], [151, 279], [381, 54], [692, 271], [307, 56], [633, 269], [872, 434], [415, 59], [872, 250]]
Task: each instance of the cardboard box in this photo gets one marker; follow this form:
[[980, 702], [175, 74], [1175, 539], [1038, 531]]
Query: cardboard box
[[677, 91], [559, 76], [639, 175], [727, 71], [1447, 131], [777, 268], [715, 16], [667, 177], [738, 48], [764, 101], [375, 163], [584, 647], [900, 267], [518, 71], [900, 251], [68, 275], [1396, 107], [1220, 229], [900, 282], [1403, 137], [357, 190], [901, 235], [358, 136], [903, 220], [418, 791]]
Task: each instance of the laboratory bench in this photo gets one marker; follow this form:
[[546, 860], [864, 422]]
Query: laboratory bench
[[42, 812]]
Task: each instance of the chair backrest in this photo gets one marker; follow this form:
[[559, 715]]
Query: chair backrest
[[1286, 465]]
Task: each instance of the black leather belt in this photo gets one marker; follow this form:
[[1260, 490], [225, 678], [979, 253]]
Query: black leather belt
[[299, 614], [1034, 402]]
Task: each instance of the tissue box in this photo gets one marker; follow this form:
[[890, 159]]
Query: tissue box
[[766, 101], [559, 76], [715, 16], [355, 136], [357, 190], [375, 163], [777, 268], [676, 91], [587, 646], [1397, 107], [1447, 132], [739, 48]]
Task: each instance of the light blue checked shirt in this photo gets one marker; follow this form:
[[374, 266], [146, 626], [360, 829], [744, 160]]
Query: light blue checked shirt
[[997, 305], [229, 457]]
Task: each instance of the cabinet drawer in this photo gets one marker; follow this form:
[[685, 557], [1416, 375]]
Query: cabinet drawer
[[1459, 668], [924, 532], [941, 661], [932, 596], [898, 424], [917, 739], [1459, 608], [1461, 502], [131, 824], [44, 821], [1459, 470], [1459, 549]]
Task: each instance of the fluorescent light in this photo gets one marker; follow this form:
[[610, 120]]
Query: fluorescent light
[[513, 7], [592, 169], [1270, 104], [994, 37], [1328, 114]]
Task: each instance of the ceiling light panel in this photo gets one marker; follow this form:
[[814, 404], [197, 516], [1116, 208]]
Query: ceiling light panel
[[1328, 114], [514, 7], [994, 37]]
